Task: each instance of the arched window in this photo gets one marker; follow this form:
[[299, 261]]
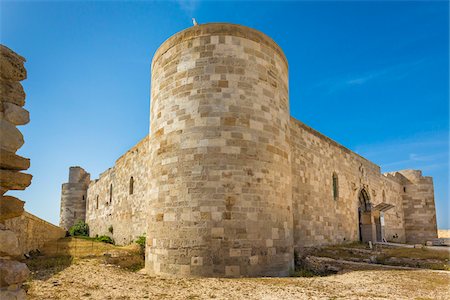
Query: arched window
[[83, 197], [110, 194], [335, 186], [131, 185], [384, 196], [96, 202]]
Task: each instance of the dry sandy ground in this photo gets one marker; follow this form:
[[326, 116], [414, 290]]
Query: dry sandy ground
[[90, 279], [444, 233]]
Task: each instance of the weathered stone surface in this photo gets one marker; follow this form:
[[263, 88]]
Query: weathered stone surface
[[419, 207], [11, 138], [10, 207], [13, 294], [9, 245], [12, 272], [73, 198], [33, 232], [15, 114], [12, 161], [11, 65], [13, 180], [129, 220], [227, 182], [12, 92]]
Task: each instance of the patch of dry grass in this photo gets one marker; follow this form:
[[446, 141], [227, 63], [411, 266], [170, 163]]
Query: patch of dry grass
[[417, 253]]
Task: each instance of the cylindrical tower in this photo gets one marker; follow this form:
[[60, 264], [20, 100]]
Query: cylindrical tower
[[73, 198], [221, 196]]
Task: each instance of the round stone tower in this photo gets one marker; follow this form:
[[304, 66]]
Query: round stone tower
[[221, 196], [73, 198]]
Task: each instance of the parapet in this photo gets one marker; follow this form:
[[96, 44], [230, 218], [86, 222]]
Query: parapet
[[78, 175], [210, 29]]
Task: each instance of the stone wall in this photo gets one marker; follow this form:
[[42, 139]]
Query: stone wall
[[319, 217], [12, 114], [121, 209], [32, 232], [227, 184], [418, 203], [73, 198], [220, 160]]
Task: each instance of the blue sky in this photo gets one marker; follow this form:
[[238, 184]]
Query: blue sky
[[371, 75]]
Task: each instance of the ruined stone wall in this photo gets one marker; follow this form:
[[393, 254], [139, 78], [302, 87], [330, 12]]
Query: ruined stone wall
[[319, 218], [220, 163], [12, 114], [120, 210], [73, 198], [418, 203], [33, 232]]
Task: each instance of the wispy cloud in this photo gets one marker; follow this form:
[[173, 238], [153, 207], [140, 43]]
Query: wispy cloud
[[188, 6], [425, 152], [390, 73]]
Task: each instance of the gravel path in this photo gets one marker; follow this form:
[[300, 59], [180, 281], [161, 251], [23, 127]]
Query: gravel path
[[90, 279]]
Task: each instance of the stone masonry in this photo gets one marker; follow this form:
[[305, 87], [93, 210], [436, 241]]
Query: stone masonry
[[73, 198], [229, 184], [12, 114]]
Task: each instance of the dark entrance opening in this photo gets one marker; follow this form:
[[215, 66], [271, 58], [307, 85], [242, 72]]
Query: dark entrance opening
[[364, 209]]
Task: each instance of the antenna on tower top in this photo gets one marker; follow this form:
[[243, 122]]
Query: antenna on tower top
[[194, 22]]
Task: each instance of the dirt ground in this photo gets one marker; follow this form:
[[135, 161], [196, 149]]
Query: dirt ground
[[91, 279], [444, 233]]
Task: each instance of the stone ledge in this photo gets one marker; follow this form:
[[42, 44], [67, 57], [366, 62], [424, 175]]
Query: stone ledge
[[12, 161], [12, 180]]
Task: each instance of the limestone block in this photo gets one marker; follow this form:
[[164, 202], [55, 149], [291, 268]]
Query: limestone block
[[12, 92], [9, 245], [12, 272], [11, 65], [10, 207], [15, 114], [10, 137], [12, 180], [232, 271], [12, 161]]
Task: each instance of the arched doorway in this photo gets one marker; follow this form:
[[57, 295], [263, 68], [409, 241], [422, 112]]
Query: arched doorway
[[365, 218]]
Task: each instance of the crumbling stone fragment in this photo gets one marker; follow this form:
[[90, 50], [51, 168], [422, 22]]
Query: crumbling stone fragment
[[12, 92], [15, 114], [12, 272], [11, 139], [10, 207], [11, 65], [12, 180], [12, 161]]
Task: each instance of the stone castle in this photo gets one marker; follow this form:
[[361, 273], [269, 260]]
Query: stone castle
[[227, 183]]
